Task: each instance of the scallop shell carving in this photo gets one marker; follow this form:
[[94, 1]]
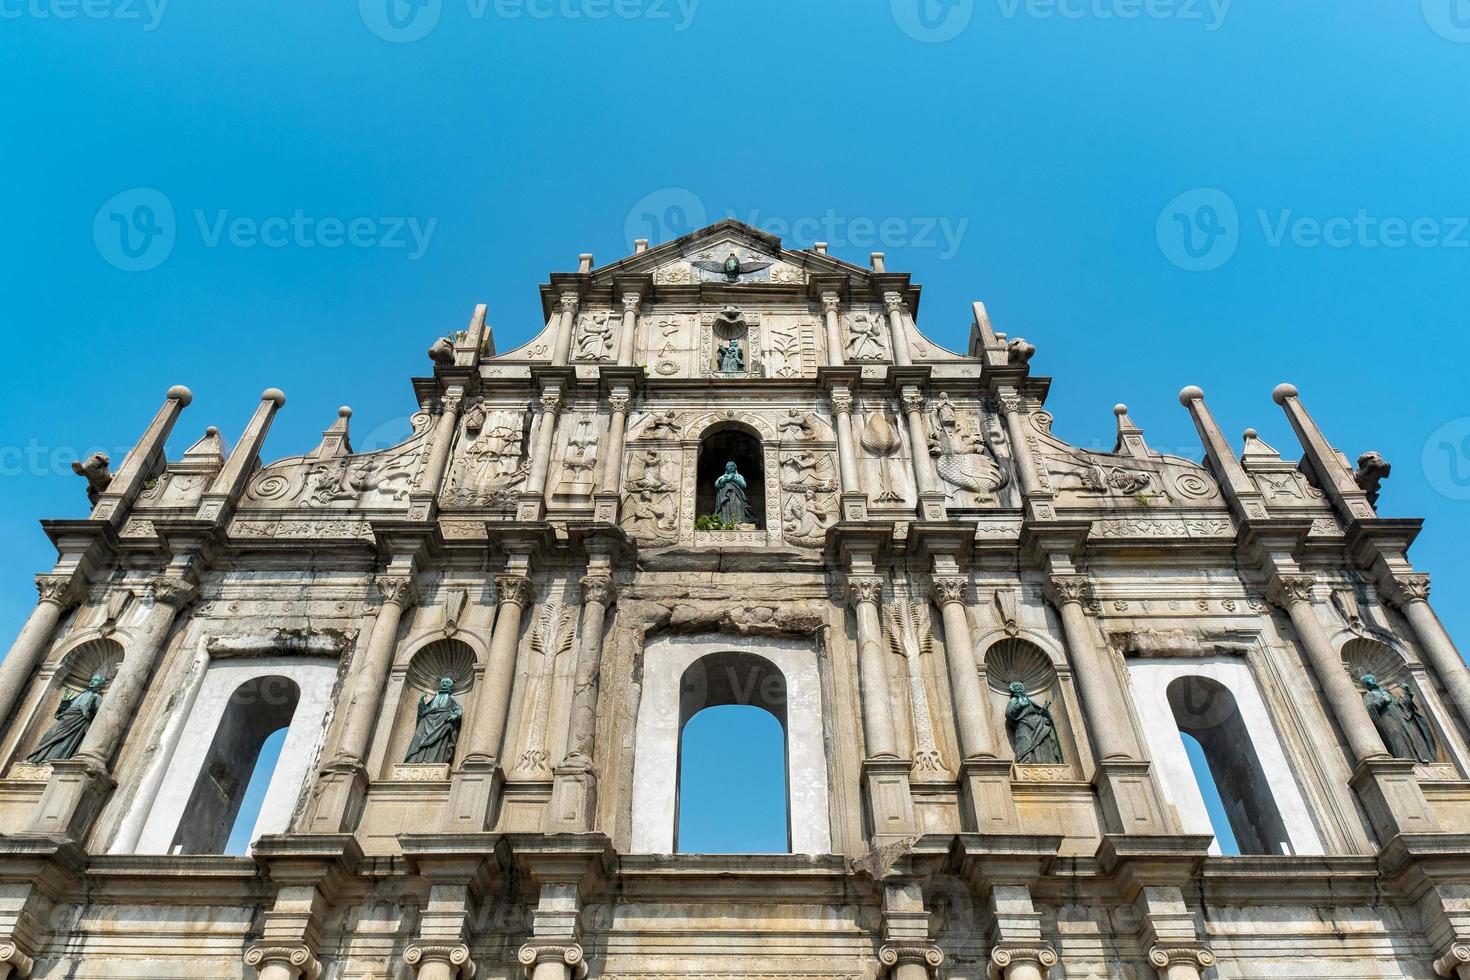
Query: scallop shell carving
[[98, 656], [442, 658], [1013, 660], [1363, 656]]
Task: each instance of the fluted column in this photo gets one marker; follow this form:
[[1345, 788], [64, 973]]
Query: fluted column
[[1030, 479], [1293, 593], [574, 785], [847, 463], [864, 592], [831, 313], [366, 693], [913, 408], [631, 302], [893, 305], [545, 433], [1410, 593], [493, 703], [972, 709], [58, 594], [611, 476], [562, 352]]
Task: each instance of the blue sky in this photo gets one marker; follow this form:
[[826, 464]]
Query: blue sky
[[1154, 193]]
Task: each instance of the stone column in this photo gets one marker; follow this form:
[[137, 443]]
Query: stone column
[[832, 311], [562, 351], [893, 304], [846, 447], [426, 492], [284, 963], [440, 962], [79, 785], [1132, 802], [535, 492], [885, 775], [366, 692], [13, 962], [114, 502], [610, 477], [475, 786], [1026, 472], [1293, 593], [1410, 594], [913, 408], [574, 785], [626, 342], [58, 594], [972, 710]]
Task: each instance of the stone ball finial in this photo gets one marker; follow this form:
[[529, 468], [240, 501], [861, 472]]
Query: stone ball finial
[[210, 431], [273, 395], [344, 412], [1250, 433], [1120, 410], [1283, 392], [1191, 393], [181, 395]]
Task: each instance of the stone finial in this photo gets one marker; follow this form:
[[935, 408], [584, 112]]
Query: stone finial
[[1130, 436], [1190, 394], [181, 395], [1284, 391], [275, 395], [336, 440], [819, 247], [209, 449], [879, 261], [640, 245], [584, 263], [1255, 450]]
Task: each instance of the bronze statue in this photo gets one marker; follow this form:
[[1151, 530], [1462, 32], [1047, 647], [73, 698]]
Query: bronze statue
[[73, 717], [437, 731], [1418, 729], [1389, 717], [731, 503], [1032, 731], [731, 357], [732, 268]]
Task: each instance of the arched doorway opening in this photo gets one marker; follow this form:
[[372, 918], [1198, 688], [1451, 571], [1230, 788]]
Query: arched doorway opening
[[720, 446]]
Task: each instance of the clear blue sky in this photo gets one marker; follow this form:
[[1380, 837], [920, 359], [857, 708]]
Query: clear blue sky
[[1029, 153]]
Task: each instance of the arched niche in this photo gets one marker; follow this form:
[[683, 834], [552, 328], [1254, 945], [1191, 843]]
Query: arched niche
[[1363, 655], [240, 702], [731, 442], [443, 657], [97, 655], [682, 676], [1017, 660], [1216, 701]]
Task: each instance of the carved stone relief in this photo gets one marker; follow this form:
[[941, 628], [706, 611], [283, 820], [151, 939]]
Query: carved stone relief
[[361, 480], [490, 463]]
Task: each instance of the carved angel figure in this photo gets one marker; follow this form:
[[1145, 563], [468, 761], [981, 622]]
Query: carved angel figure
[[646, 471], [796, 425], [865, 338], [803, 519]]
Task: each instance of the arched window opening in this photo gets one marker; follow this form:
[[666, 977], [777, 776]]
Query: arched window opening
[[717, 450], [732, 783], [1214, 806], [258, 708], [260, 780], [727, 747], [1205, 710]]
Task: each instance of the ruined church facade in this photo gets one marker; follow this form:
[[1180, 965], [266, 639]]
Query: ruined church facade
[[728, 472]]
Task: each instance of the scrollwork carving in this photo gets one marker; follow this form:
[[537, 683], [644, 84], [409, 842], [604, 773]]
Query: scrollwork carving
[[456, 957], [300, 959], [568, 953]]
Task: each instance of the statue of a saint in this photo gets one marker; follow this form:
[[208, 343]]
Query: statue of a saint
[[437, 731], [1031, 728], [731, 357], [1388, 718], [73, 717], [731, 504], [1417, 727]]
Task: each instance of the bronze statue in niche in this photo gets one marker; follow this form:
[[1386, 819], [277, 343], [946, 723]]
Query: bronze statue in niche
[[1032, 730], [437, 732], [73, 717]]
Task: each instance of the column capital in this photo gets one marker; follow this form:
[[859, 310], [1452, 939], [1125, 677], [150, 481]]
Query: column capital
[[597, 588], [1064, 589], [1454, 958], [567, 953], [1285, 590], [950, 588], [172, 591], [893, 303], [864, 588], [619, 403], [831, 302], [1009, 404], [515, 589], [913, 400], [299, 960], [455, 956], [1197, 956], [13, 957], [1003, 956], [397, 590], [927, 955], [551, 402], [632, 299], [841, 401], [64, 590], [1406, 588], [570, 301]]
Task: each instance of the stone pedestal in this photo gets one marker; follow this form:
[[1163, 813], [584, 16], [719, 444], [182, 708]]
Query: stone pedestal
[[890, 803], [573, 796], [474, 796], [1390, 794], [72, 798], [986, 803]]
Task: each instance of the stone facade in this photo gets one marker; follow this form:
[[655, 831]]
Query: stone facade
[[926, 570]]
